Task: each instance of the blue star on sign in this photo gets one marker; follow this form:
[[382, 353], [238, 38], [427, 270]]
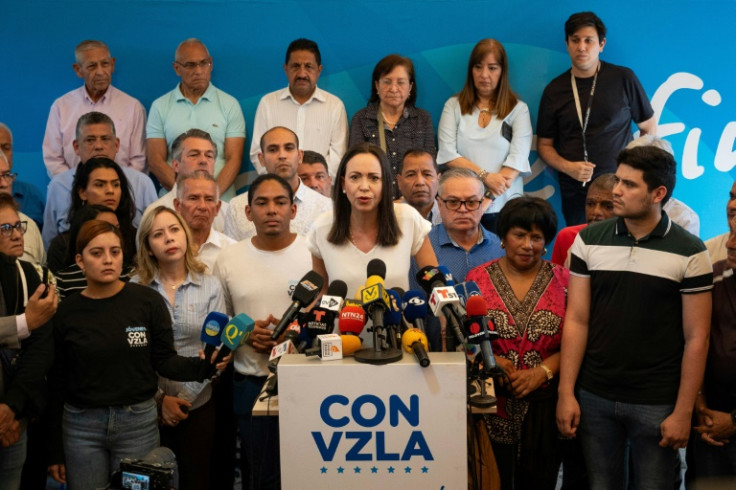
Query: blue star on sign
[[356, 469], [374, 470], [390, 469], [340, 470], [425, 469], [407, 470], [323, 470]]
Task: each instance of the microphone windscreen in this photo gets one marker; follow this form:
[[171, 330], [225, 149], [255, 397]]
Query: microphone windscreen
[[237, 331], [428, 277], [413, 335], [476, 306], [350, 344], [352, 320], [376, 267], [308, 288], [212, 327], [338, 288], [449, 280], [415, 307]]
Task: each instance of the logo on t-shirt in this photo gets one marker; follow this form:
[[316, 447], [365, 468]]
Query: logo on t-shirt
[[137, 336]]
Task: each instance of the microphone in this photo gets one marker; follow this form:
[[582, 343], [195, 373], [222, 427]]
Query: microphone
[[304, 293], [477, 327], [415, 341], [373, 295], [415, 309], [235, 333], [321, 320], [449, 280], [465, 290], [392, 318], [351, 323], [442, 299], [288, 346], [212, 327]]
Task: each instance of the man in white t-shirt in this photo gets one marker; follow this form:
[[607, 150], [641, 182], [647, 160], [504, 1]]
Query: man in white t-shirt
[[258, 275], [280, 155]]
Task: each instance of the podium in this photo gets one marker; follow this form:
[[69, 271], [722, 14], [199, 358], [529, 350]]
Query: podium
[[345, 424]]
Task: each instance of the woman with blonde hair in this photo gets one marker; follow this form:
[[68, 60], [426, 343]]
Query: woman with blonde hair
[[167, 263]]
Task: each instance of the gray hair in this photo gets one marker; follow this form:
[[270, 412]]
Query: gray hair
[[86, 46], [90, 118], [4, 157], [459, 173], [198, 175], [6, 128], [191, 40], [176, 146], [651, 140]]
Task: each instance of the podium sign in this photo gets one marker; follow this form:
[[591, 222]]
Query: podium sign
[[345, 424]]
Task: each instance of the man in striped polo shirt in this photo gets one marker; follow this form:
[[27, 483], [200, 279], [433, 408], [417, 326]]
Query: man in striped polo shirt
[[636, 330]]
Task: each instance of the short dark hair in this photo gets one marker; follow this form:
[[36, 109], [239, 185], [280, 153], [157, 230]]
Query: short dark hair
[[7, 201], [658, 166], [302, 44], [176, 148], [386, 66], [264, 178], [90, 118], [416, 152], [527, 212], [263, 136], [584, 19], [310, 157], [388, 226]]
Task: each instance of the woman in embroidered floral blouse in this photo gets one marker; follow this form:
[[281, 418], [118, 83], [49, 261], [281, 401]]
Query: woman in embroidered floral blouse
[[526, 298]]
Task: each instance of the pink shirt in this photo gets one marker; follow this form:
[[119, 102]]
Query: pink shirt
[[126, 112]]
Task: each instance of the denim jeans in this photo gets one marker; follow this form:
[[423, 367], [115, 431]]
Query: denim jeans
[[605, 428], [259, 436], [96, 439], [11, 463]]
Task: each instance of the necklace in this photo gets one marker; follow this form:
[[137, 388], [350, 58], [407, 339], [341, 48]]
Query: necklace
[[389, 121], [173, 286]]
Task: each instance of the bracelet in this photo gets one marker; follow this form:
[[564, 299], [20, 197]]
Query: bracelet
[[547, 372], [482, 175]]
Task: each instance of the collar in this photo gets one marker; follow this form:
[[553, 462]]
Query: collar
[[659, 231], [215, 238], [207, 95], [191, 279], [318, 95], [445, 238], [301, 192], [104, 97]]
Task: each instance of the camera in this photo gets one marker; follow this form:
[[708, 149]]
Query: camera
[[157, 470]]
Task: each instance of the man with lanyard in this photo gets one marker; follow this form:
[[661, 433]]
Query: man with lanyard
[[585, 116]]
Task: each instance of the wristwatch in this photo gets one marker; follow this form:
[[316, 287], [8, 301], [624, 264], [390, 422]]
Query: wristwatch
[[548, 373]]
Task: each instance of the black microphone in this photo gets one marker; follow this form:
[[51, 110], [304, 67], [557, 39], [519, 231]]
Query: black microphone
[[304, 293], [321, 320], [476, 327], [374, 296]]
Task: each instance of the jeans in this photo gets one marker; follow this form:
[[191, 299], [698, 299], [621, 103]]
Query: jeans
[[96, 439], [11, 463], [710, 463], [259, 436], [605, 428]]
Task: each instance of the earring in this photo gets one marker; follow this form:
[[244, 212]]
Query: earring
[[503, 246], [344, 191], [84, 272], [545, 251]]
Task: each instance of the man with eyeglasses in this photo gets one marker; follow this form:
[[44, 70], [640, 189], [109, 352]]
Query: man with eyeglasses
[[33, 251], [317, 117], [30, 199], [196, 103], [95, 66], [459, 242], [417, 180]]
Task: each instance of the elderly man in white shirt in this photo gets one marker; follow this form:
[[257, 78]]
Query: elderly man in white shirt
[[280, 155], [317, 117]]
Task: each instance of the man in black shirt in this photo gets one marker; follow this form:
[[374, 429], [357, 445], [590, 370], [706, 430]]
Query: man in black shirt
[[585, 114]]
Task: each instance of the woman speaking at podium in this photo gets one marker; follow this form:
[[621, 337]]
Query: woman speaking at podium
[[366, 224]]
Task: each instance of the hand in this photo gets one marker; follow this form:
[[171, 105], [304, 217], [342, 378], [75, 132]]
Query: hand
[[40, 311], [260, 337], [57, 472], [524, 381], [675, 431], [497, 183], [171, 412], [580, 171], [508, 367], [12, 434], [220, 365], [716, 428], [7, 416], [568, 415]]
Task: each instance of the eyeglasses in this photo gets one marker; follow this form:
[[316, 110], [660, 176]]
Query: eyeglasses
[[8, 176], [191, 65], [6, 229], [454, 204], [387, 82]]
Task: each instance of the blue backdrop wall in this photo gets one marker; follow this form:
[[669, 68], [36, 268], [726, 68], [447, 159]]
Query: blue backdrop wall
[[682, 52]]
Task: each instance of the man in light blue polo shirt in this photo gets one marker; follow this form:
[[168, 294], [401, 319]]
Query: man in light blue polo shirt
[[196, 103]]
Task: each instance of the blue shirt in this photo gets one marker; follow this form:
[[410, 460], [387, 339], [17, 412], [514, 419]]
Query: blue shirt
[[458, 260], [30, 200], [58, 200]]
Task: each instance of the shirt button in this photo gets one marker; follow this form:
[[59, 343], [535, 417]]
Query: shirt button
[[373, 136], [393, 153], [393, 139]]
